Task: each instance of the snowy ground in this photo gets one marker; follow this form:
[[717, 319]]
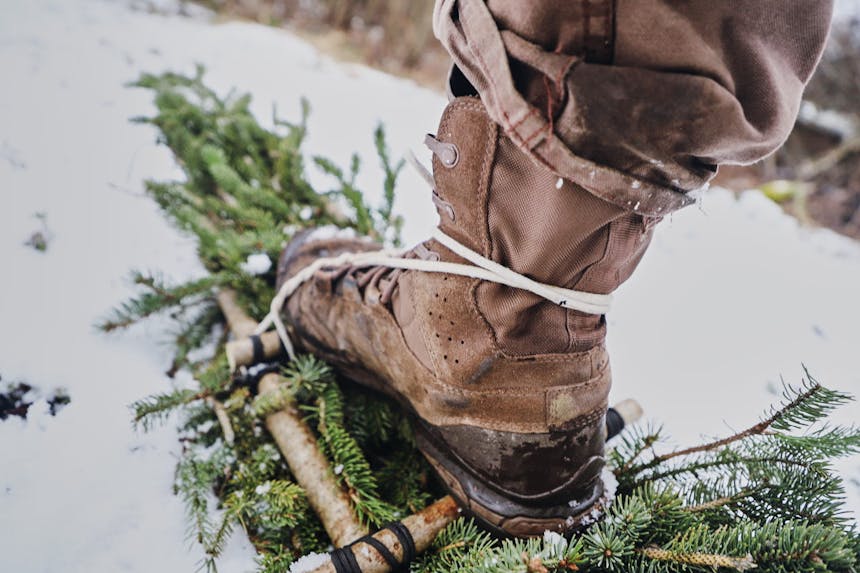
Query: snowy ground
[[730, 297]]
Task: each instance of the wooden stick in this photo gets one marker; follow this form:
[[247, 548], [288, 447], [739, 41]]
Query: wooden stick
[[241, 325], [223, 419], [240, 352], [299, 446], [311, 469], [424, 527]]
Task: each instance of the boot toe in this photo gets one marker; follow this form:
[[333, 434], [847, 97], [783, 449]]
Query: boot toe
[[308, 245]]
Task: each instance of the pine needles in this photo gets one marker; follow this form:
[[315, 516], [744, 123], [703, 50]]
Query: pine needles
[[246, 192], [766, 497]]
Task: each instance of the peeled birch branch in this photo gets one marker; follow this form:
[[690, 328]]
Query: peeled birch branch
[[248, 351], [424, 526], [241, 325], [223, 419], [299, 446], [310, 468]]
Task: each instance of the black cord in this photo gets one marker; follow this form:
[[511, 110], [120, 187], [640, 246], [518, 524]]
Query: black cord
[[344, 561], [257, 347], [383, 550], [406, 540]]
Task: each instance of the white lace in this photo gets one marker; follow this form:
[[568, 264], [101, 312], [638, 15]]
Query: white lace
[[481, 268]]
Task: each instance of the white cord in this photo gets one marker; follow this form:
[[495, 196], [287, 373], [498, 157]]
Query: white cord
[[481, 268]]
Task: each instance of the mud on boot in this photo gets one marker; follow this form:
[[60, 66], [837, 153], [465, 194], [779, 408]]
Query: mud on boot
[[509, 389]]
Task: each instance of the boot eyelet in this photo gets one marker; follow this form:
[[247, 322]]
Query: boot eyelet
[[449, 155]]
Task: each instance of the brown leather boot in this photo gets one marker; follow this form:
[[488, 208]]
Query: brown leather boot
[[509, 390]]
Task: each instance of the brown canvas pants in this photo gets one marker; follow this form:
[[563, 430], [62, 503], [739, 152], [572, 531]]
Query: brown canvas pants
[[638, 101]]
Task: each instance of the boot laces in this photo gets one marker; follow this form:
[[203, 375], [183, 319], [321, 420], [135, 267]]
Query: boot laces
[[385, 278], [388, 265]]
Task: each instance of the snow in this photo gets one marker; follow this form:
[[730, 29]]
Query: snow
[[308, 562], [833, 121], [257, 264], [610, 484], [730, 297], [846, 9]]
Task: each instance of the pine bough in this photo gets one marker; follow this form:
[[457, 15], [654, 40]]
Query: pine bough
[[766, 497]]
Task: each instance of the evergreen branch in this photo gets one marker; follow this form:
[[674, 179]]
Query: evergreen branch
[[215, 376], [724, 501], [805, 406], [372, 420], [364, 223], [762, 493], [634, 443], [350, 465], [155, 409], [386, 212], [220, 535], [193, 482], [723, 463], [192, 335], [827, 442], [709, 560], [159, 297]]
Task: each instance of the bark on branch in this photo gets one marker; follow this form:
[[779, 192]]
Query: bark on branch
[[311, 469], [241, 325], [240, 352], [424, 526], [299, 447]]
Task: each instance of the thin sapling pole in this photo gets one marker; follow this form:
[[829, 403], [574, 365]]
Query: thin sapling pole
[[299, 446]]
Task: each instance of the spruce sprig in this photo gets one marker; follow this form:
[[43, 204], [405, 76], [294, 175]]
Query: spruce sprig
[[766, 496]]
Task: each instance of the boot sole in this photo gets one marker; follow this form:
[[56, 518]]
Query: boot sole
[[502, 515]]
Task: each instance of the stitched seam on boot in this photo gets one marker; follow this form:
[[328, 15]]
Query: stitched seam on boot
[[599, 378], [585, 420], [492, 147], [492, 150]]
